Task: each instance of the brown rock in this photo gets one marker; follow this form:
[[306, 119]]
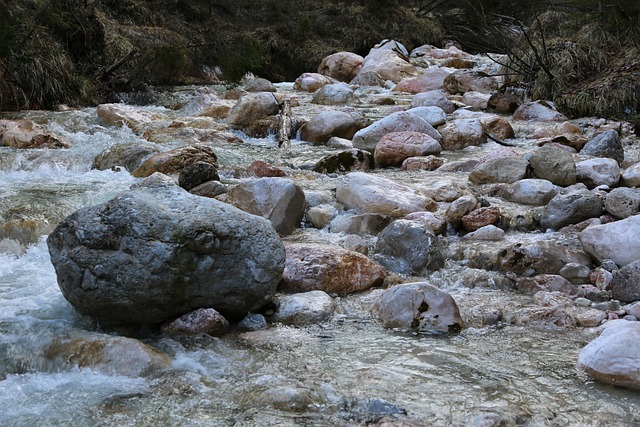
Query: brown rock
[[546, 283], [175, 160], [481, 217], [201, 321], [393, 148], [27, 134], [499, 127], [261, 169], [428, 163], [342, 66], [331, 269]]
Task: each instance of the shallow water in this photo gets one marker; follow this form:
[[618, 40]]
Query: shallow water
[[349, 371]]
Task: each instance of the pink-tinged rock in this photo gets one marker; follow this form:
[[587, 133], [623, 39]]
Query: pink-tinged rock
[[395, 147], [427, 163], [310, 82], [546, 283], [432, 52], [476, 99], [201, 321], [543, 111], [480, 217], [617, 241], [499, 127], [433, 98], [328, 268], [27, 134], [262, 169], [385, 60], [462, 133], [431, 79], [436, 222], [463, 81], [342, 66]]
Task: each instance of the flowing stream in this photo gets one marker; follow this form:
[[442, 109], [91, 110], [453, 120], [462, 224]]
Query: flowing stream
[[348, 371]]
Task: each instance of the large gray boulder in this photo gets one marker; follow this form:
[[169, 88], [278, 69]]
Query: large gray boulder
[[537, 192], [419, 307], [613, 357], [331, 123], [154, 253], [409, 247], [617, 241], [279, 200], [567, 209], [501, 169], [625, 284], [367, 138], [623, 202], [129, 155], [253, 107], [554, 164]]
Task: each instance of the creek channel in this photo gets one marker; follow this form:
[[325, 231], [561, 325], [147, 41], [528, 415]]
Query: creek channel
[[347, 371]]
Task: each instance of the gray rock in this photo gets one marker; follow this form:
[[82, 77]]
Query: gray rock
[[360, 224], [553, 164], [433, 98], [127, 155], [625, 284], [596, 172], [538, 111], [279, 200], [500, 169], [459, 208], [210, 189], [605, 144], [251, 108], [152, 254], [617, 241], [631, 176], [537, 192], [540, 256], [488, 232], [328, 124], [258, 84], [304, 308], [334, 94], [622, 202], [419, 307], [462, 81], [409, 247], [201, 321], [367, 138], [613, 357], [572, 208], [433, 115], [253, 322], [576, 273]]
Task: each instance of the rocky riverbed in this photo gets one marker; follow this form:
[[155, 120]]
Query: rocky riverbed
[[393, 240]]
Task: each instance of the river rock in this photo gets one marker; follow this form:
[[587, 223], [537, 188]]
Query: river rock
[[543, 111], [430, 79], [545, 283], [616, 241], [553, 164], [433, 98], [262, 169], [435, 221], [444, 190], [311, 82], [625, 283], [501, 169], [253, 107], [395, 147], [545, 318], [201, 321], [175, 160], [622, 202], [369, 193], [571, 208], [368, 78], [211, 189], [461, 133], [342, 66], [409, 247], [631, 176], [463, 81], [27, 134], [327, 124], [279, 200], [345, 161], [328, 268], [596, 172], [136, 118], [419, 307], [487, 232], [575, 273], [108, 355], [435, 116], [197, 173], [459, 208], [428, 51], [384, 60], [154, 253], [481, 217], [128, 155], [476, 99], [207, 105], [505, 102], [536, 192], [304, 308], [428, 163], [251, 83], [319, 216], [334, 94], [539, 257], [498, 126], [401, 121], [613, 357], [360, 224], [606, 144]]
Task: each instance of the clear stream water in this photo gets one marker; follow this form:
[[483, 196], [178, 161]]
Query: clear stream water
[[349, 371]]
